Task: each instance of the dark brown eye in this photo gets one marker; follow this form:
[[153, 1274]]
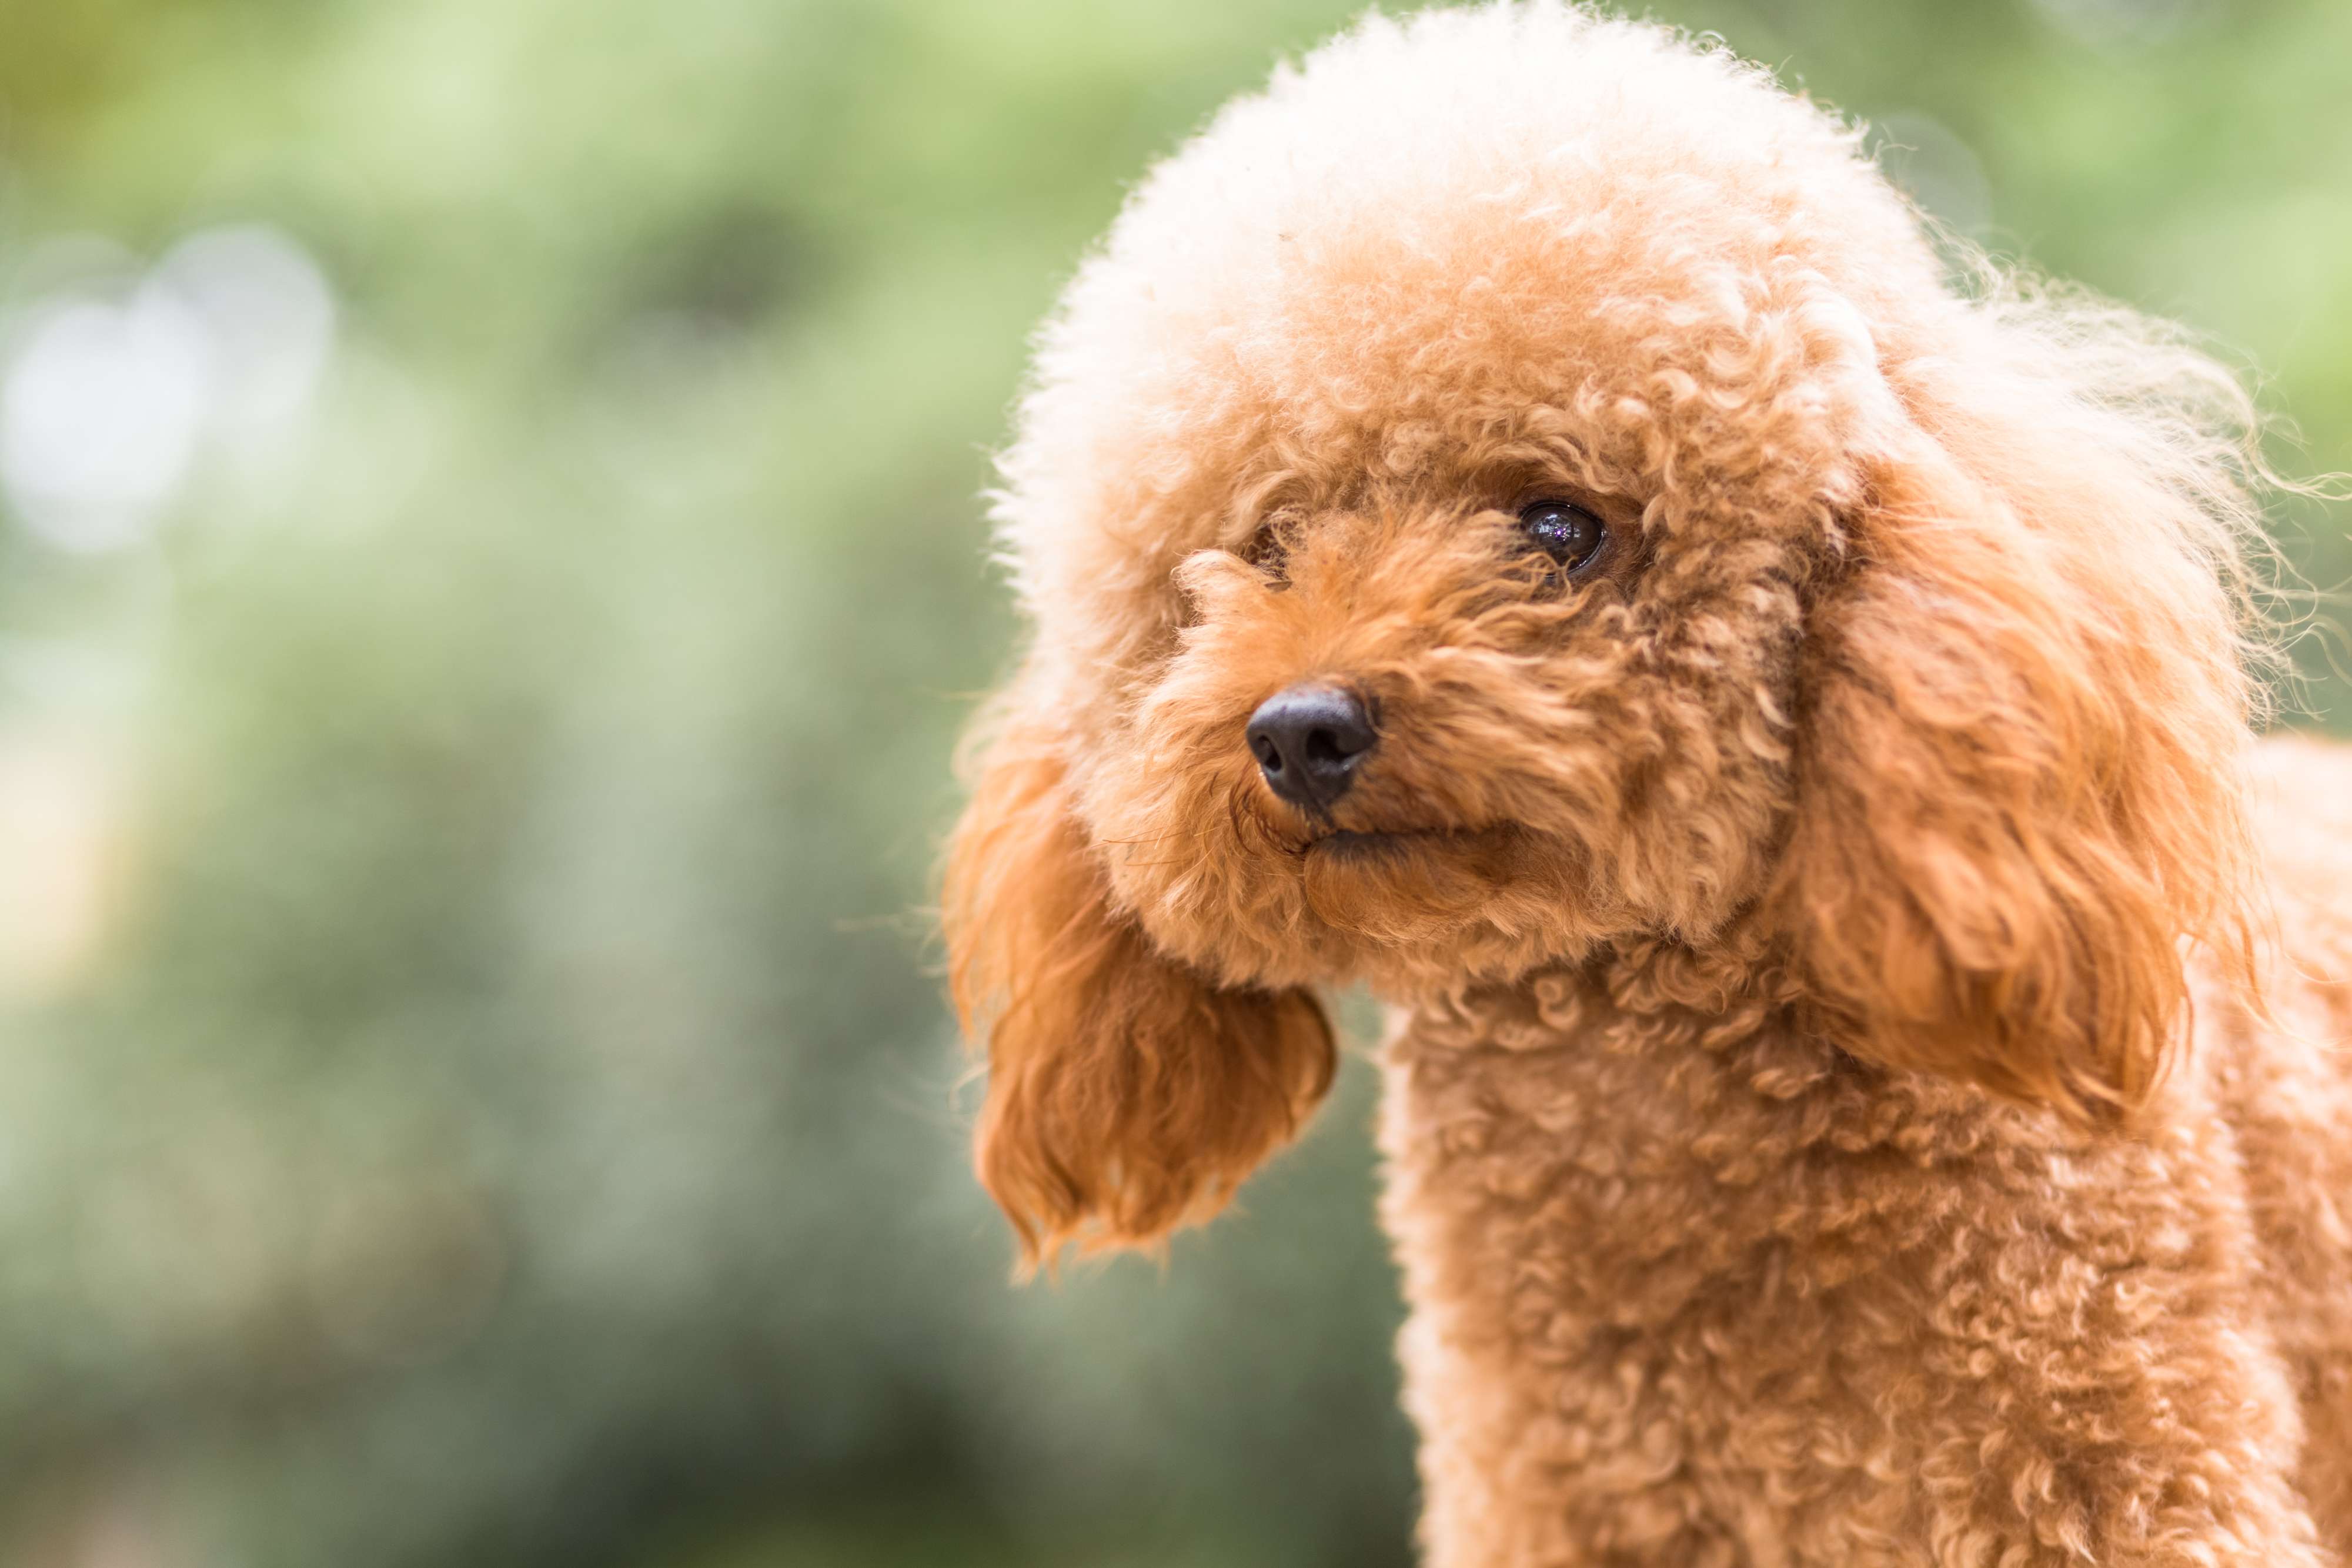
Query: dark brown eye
[[1569, 535]]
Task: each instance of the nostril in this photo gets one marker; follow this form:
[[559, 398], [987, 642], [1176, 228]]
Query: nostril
[[1308, 739]]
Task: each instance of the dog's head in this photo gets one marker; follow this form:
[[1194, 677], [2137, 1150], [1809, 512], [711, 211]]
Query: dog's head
[[1523, 485]]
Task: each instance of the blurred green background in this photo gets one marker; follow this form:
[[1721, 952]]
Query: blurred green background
[[490, 577]]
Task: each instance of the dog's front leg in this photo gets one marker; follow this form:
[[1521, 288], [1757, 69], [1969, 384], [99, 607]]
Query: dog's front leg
[[2011, 1433], [2054, 1439]]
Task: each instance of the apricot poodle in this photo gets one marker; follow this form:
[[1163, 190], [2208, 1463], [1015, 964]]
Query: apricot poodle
[[1520, 514]]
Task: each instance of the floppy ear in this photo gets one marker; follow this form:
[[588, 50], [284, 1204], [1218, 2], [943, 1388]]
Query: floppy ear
[[1126, 1096], [2017, 783]]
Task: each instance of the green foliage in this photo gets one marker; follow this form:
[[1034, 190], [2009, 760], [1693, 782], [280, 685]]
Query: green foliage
[[472, 1090]]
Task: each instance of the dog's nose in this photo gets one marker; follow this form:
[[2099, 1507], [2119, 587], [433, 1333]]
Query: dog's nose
[[1307, 740]]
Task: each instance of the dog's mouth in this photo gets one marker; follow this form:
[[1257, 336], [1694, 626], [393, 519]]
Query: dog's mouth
[[1367, 846], [1345, 845]]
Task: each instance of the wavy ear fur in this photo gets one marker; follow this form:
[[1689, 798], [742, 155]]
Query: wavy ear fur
[[1126, 1096], [2019, 780]]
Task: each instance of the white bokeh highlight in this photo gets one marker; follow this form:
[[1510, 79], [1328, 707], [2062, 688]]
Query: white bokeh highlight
[[109, 402], [98, 418], [269, 318]]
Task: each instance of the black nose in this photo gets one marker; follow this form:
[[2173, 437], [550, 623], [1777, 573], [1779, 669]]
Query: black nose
[[1307, 741]]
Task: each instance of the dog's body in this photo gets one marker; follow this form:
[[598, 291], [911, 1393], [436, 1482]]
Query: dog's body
[[1689, 1289], [1517, 515]]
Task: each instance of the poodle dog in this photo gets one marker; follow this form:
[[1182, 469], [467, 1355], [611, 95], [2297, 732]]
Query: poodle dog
[[1520, 514]]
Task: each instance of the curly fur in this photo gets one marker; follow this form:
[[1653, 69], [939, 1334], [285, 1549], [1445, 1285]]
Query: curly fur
[[1836, 1116]]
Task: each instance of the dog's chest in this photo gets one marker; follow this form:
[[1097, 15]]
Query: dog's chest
[[1655, 1247], [1618, 1169]]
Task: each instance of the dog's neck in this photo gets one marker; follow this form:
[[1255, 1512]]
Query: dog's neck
[[1578, 1110], [1656, 1036], [1732, 986]]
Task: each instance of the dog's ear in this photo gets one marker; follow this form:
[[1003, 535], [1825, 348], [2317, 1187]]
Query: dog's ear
[[2024, 712], [1126, 1096]]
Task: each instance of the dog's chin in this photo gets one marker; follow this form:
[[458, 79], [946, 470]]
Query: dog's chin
[[1402, 906], [1410, 909], [1405, 885]]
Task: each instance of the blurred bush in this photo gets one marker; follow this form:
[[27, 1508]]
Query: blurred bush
[[490, 577]]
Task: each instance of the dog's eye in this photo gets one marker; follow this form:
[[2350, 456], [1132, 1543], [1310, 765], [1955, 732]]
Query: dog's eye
[[1569, 535]]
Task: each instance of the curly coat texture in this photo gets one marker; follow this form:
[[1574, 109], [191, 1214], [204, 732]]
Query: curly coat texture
[[1837, 1113]]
